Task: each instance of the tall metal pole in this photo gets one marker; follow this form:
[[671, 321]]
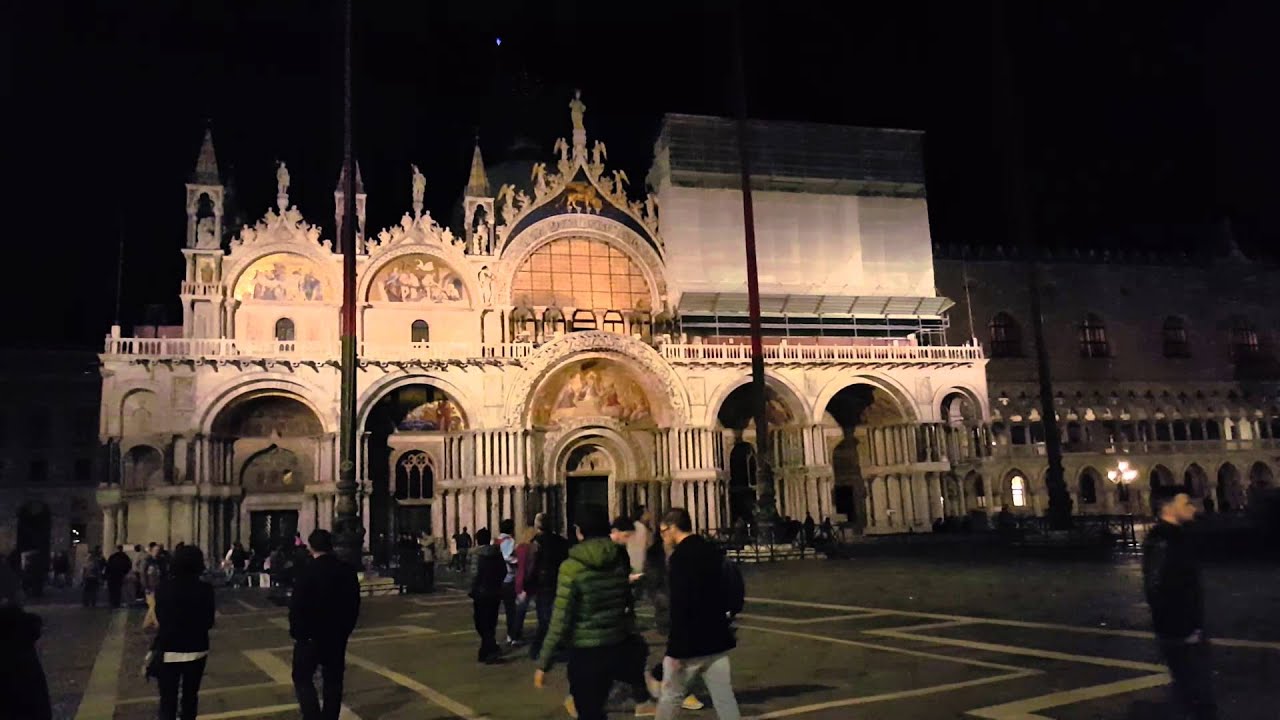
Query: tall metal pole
[[1008, 120], [349, 530], [766, 506]]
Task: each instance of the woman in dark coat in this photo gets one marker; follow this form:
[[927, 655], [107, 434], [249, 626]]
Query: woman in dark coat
[[184, 607]]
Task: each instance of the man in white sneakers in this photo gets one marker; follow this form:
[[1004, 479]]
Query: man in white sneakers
[[701, 636]]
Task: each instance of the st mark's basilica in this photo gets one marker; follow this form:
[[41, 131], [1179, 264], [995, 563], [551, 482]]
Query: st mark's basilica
[[571, 338]]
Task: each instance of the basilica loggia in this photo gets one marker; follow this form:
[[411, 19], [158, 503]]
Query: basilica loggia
[[569, 341]]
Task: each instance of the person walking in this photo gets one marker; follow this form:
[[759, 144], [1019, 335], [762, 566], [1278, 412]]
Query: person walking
[[1171, 581], [507, 545], [550, 549], [152, 573], [118, 566], [24, 690], [184, 608], [594, 618], [700, 637], [464, 549], [139, 559], [90, 575], [488, 573], [322, 614]]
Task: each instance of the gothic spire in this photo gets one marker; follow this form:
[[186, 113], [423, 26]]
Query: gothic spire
[[478, 182], [206, 172]]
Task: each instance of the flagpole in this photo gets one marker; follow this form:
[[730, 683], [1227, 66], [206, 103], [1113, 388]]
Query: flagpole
[[766, 507], [348, 528]]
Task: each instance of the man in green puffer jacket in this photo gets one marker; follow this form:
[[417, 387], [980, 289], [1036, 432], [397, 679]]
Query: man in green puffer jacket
[[593, 618]]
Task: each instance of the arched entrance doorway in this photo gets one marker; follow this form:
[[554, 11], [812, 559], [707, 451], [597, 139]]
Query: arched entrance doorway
[[736, 419], [276, 441], [587, 471], [1261, 480], [1230, 492], [850, 420], [34, 525], [405, 438]]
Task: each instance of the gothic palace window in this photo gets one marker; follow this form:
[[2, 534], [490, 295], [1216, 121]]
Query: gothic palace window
[[1006, 340], [1174, 337], [1093, 338], [1018, 491], [1244, 339]]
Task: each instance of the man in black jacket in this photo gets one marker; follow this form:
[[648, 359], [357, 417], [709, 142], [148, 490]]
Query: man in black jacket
[[322, 614], [701, 637], [488, 572], [1171, 579], [118, 566], [550, 550]]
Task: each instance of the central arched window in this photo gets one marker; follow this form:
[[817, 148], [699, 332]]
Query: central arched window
[[284, 330], [1006, 339], [613, 322], [581, 273], [1088, 488], [420, 332], [1174, 338], [414, 478], [1093, 338], [1018, 491], [583, 320]]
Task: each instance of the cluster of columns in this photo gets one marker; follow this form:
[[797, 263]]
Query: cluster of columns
[[899, 501], [485, 506], [800, 493]]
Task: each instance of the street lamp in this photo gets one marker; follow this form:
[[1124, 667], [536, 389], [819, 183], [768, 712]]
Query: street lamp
[[1123, 476]]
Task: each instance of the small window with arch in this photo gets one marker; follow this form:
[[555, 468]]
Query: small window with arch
[[613, 322], [583, 320], [285, 330], [420, 332]]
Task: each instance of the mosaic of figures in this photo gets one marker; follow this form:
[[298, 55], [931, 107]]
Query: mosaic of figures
[[417, 279], [592, 389], [282, 277], [426, 409]]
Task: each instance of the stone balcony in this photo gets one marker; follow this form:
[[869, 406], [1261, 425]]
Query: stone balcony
[[838, 354], [231, 349]]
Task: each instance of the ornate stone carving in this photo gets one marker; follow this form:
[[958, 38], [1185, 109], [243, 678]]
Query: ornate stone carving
[[419, 189], [279, 228], [554, 354]]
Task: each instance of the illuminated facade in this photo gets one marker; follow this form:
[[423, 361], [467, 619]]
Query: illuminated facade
[[569, 342], [566, 343]]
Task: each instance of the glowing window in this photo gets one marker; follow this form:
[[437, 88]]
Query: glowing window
[[581, 273], [1018, 489]]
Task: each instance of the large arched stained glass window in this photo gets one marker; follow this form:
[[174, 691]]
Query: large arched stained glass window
[[581, 274]]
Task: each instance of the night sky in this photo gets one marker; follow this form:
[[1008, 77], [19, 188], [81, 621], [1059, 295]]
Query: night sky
[[1144, 122]]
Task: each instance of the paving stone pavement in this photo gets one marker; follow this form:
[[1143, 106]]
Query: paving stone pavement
[[870, 638]]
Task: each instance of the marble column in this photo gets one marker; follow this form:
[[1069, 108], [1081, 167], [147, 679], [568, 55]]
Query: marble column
[[937, 508], [108, 529]]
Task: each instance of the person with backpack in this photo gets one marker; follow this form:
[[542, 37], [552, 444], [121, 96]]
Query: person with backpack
[[489, 571], [549, 550], [705, 592]]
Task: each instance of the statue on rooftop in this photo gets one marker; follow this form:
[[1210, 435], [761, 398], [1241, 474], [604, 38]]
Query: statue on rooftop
[[282, 179], [419, 185], [576, 109]]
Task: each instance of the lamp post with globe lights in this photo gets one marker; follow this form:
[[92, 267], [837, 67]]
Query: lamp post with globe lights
[[1123, 476]]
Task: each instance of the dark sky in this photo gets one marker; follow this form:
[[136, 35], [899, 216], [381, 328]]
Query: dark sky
[[1144, 122]]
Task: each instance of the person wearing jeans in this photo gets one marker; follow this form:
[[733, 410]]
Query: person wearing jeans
[[184, 608], [701, 637], [322, 613]]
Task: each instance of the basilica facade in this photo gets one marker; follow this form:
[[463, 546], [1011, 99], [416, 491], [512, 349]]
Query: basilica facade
[[571, 341]]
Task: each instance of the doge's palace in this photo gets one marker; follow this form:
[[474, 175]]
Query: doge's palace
[[573, 340]]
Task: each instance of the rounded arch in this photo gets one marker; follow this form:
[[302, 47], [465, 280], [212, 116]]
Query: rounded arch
[[262, 415], [573, 225], [384, 386], [454, 263], [904, 399], [780, 388], [274, 469], [1016, 489], [1160, 476], [142, 466], [664, 389], [610, 440], [240, 389], [1230, 492], [1260, 475], [1088, 486], [137, 414], [944, 396], [284, 273], [1196, 481]]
